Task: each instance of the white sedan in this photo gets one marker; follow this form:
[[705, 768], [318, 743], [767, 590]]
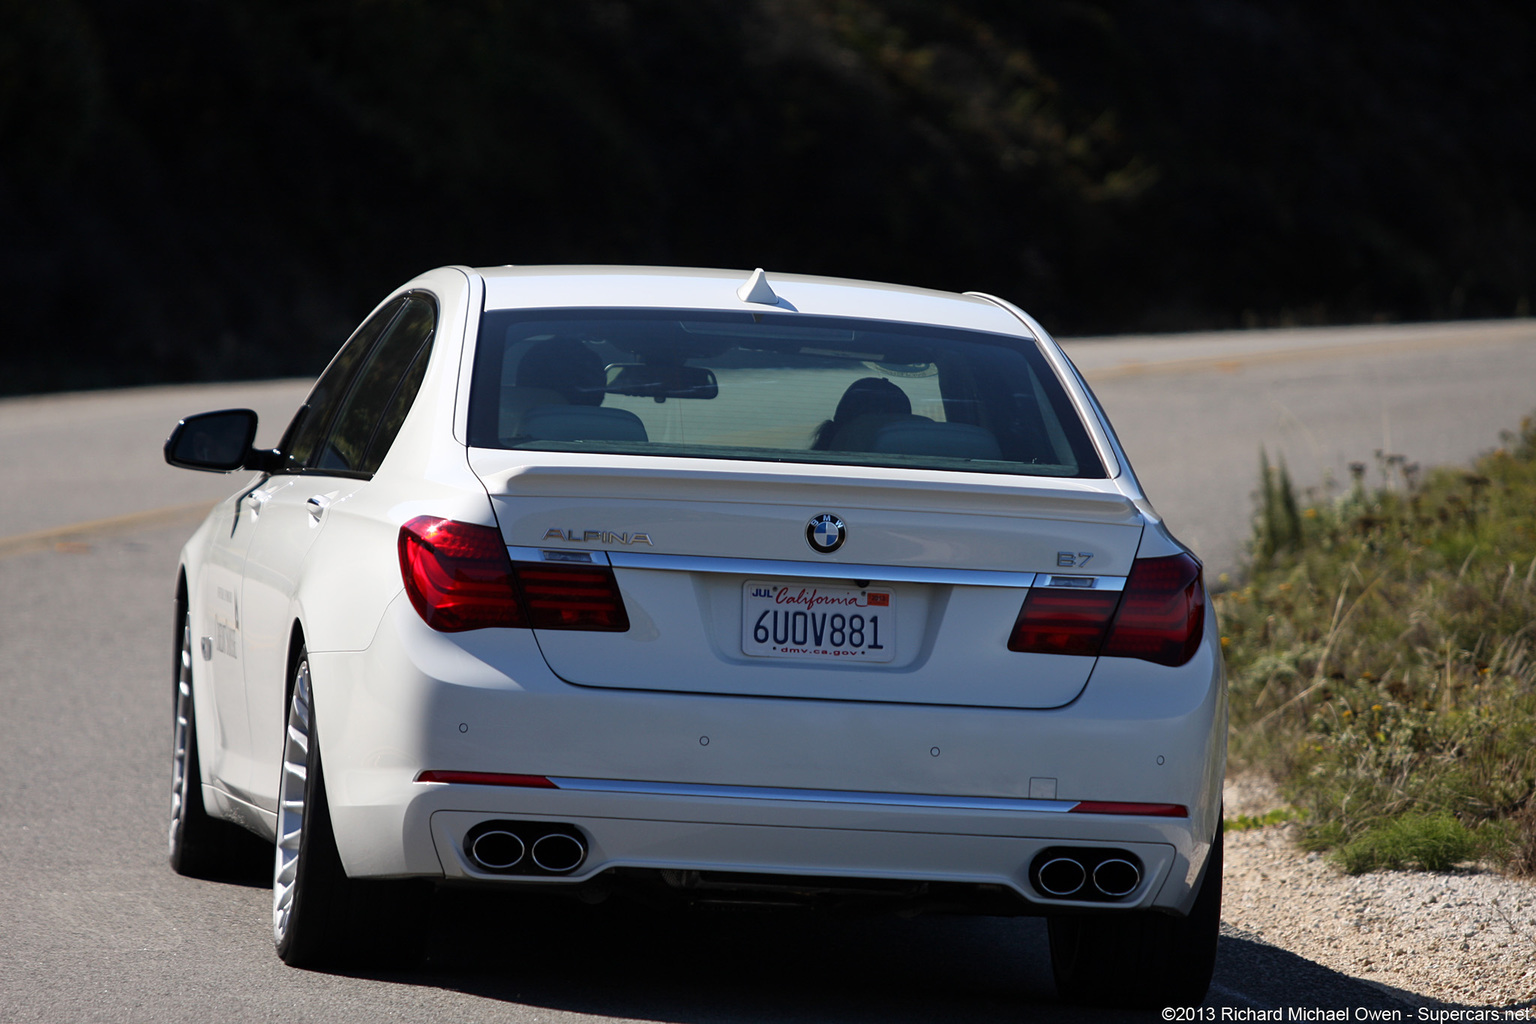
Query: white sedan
[[708, 584]]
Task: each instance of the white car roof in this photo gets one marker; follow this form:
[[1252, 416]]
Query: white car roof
[[543, 287]]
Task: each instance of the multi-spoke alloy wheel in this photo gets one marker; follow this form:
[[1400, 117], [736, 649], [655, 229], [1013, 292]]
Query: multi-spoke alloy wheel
[[320, 917], [196, 843], [292, 795], [182, 737]]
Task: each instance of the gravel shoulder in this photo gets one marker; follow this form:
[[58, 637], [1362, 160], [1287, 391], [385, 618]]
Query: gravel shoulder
[[1464, 938]]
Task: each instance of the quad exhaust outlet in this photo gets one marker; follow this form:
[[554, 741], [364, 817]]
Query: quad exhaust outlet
[[525, 847], [1082, 873]]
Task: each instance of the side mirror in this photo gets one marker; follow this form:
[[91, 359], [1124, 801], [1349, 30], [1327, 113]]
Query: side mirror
[[215, 442]]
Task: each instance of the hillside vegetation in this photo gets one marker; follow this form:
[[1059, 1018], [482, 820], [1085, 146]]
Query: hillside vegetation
[[1382, 659], [194, 190]]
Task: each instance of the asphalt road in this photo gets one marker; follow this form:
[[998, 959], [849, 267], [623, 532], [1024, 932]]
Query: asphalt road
[[95, 926], [1193, 411]]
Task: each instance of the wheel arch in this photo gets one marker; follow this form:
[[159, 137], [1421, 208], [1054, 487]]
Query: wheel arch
[[295, 648], [183, 606]]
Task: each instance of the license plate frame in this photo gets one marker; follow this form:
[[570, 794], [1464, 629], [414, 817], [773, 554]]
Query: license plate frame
[[815, 621]]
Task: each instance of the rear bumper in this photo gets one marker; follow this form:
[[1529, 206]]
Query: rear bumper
[[417, 700], [790, 837]]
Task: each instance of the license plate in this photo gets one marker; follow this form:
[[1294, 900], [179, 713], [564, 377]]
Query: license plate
[[813, 622]]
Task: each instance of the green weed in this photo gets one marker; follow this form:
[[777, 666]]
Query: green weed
[[1434, 842], [1279, 520], [1381, 654], [1244, 822]]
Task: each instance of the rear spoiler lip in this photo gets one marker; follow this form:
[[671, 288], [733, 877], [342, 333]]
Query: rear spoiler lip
[[537, 474]]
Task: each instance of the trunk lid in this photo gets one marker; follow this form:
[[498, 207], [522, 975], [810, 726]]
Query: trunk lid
[[727, 593]]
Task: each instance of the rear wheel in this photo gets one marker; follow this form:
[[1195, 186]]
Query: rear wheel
[[199, 845], [1142, 958], [320, 917]]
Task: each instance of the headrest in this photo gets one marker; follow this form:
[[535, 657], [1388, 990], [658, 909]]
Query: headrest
[[916, 436], [581, 423]]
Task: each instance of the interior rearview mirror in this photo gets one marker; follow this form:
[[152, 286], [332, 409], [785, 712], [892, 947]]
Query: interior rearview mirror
[[642, 380]]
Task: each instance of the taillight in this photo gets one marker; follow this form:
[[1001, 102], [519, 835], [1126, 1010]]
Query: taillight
[[459, 577], [572, 597], [1158, 617], [1061, 621], [1162, 613]]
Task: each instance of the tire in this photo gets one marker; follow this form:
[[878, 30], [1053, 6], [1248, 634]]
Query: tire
[[320, 917], [1143, 959], [199, 846]]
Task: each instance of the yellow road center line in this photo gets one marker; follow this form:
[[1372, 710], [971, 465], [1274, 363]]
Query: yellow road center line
[[116, 524]]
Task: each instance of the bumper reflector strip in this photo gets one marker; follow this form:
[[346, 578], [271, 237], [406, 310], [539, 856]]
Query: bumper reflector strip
[[487, 779], [1148, 810]]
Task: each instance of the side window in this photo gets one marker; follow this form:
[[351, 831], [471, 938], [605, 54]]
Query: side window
[[377, 403], [329, 391], [399, 405]]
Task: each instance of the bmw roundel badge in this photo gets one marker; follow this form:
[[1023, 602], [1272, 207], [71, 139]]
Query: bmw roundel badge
[[826, 533]]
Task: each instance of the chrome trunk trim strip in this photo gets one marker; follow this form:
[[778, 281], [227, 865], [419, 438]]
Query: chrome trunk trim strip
[[749, 567], [822, 796]]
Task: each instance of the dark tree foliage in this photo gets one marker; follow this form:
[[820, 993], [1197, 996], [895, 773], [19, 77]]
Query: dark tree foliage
[[195, 190]]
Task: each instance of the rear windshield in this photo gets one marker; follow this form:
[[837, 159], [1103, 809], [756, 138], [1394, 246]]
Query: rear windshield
[[772, 387]]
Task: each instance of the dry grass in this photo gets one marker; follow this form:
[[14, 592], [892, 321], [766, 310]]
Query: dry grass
[[1382, 657]]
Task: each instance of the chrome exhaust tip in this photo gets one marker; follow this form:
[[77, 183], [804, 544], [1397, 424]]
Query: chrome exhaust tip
[[1116, 877], [558, 853], [1091, 874], [497, 850], [509, 847], [1062, 876]]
